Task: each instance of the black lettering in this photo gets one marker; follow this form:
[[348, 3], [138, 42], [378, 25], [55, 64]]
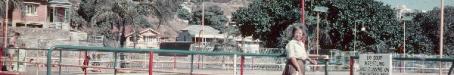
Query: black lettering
[[381, 63]]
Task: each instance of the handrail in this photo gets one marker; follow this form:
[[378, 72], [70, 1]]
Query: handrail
[[136, 50]]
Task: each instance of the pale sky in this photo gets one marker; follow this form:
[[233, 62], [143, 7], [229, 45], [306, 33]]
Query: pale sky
[[418, 4]]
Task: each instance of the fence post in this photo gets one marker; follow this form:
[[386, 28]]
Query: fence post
[[1, 58], [192, 63], [326, 66], [174, 62], [242, 65], [115, 63], [59, 62], [234, 64], [49, 62], [17, 59], [150, 63], [352, 63], [86, 62]]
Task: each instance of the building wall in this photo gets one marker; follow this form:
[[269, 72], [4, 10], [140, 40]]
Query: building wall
[[251, 47], [39, 18]]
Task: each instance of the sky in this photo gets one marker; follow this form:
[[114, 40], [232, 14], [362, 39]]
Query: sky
[[424, 5]]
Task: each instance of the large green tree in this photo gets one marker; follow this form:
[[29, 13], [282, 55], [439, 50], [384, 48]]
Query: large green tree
[[266, 19], [424, 30], [381, 28]]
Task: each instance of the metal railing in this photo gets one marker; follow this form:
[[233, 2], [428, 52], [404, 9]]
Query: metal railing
[[248, 61], [151, 56]]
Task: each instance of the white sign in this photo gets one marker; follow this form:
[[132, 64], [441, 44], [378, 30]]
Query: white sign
[[375, 64]]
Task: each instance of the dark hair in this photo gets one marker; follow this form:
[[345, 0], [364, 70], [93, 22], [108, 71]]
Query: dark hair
[[295, 28], [303, 29]]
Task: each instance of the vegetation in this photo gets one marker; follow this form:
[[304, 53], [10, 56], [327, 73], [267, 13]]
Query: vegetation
[[423, 31], [266, 19], [12, 4], [214, 17], [111, 18]]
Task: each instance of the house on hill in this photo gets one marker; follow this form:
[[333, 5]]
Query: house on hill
[[195, 34], [146, 38], [42, 14]]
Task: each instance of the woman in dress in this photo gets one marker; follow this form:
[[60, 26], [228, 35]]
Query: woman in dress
[[296, 53]]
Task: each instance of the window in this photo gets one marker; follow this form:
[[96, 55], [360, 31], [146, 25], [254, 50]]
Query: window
[[30, 9], [20, 25], [149, 38]]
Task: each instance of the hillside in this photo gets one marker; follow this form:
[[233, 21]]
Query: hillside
[[172, 27]]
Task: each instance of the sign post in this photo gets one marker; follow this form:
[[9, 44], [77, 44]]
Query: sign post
[[375, 64]]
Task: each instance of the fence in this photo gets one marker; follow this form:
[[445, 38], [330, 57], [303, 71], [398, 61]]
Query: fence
[[73, 60]]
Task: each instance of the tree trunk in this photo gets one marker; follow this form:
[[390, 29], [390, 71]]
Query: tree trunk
[[122, 41]]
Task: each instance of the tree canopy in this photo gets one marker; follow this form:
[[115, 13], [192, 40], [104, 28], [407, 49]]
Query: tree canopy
[[424, 31], [266, 19], [214, 17], [111, 18]]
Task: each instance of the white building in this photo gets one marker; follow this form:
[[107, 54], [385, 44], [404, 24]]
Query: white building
[[146, 38]]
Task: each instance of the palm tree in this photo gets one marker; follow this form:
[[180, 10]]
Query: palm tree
[[104, 16], [111, 18]]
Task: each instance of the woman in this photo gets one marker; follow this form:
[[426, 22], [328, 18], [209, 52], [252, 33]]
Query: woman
[[296, 53]]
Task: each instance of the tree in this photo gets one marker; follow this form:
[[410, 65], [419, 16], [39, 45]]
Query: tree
[[111, 18], [426, 39], [382, 30], [266, 19], [12, 4], [183, 13], [214, 17]]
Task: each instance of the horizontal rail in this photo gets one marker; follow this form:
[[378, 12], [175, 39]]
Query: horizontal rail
[[136, 50]]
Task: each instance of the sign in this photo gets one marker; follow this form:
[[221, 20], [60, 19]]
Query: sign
[[375, 64]]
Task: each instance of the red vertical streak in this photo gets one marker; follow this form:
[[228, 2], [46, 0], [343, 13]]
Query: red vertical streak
[[352, 64], [242, 65], [1, 62], [86, 62], [302, 13], [150, 64]]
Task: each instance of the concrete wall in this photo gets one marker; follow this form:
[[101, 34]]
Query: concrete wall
[[47, 37]]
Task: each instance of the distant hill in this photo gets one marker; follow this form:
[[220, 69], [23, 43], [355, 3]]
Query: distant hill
[[173, 27]]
